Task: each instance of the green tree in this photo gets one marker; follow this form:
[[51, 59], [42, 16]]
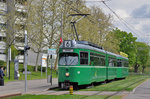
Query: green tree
[[14, 52], [127, 44], [142, 54]]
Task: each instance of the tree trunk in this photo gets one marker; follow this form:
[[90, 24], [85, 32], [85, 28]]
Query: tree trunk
[[56, 61], [36, 65], [143, 67], [136, 67]]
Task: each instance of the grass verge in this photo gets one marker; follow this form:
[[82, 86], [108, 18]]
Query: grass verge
[[32, 76], [127, 84], [63, 97]]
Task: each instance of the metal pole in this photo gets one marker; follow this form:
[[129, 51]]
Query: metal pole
[[62, 25], [51, 69], [73, 23], [25, 60], [9, 62], [41, 68], [47, 64]]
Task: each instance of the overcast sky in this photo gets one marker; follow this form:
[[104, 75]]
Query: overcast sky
[[135, 12]]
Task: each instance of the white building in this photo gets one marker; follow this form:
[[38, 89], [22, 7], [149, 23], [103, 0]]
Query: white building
[[20, 8]]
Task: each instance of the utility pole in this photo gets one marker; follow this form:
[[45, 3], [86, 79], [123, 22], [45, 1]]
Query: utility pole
[[26, 48], [25, 61]]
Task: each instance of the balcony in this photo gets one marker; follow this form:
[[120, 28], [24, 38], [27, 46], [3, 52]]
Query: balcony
[[3, 57], [20, 21], [20, 58], [2, 33], [19, 45], [21, 8], [3, 6], [2, 19], [2, 45]]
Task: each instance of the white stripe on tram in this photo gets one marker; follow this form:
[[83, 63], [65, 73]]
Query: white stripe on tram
[[90, 67]]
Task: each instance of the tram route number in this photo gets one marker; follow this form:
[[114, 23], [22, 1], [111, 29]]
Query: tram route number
[[68, 43]]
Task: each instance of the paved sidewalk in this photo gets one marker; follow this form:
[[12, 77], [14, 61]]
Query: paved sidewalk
[[140, 92], [16, 87]]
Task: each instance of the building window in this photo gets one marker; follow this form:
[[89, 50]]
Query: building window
[[83, 58], [21, 14], [19, 39], [2, 38], [3, 1], [22, 2], [21, 52]]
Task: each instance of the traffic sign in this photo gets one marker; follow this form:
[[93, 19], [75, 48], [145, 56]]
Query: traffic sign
[[51, 51]]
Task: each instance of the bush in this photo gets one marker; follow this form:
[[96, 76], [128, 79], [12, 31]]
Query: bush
[[22, 69], [2, 63], [14, 52], [43, 69]]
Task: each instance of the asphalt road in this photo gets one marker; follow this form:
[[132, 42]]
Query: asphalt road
[[140, 92], [32, 86]]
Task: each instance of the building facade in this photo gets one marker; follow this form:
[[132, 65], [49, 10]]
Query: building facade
[[12, 22], [13, 16]]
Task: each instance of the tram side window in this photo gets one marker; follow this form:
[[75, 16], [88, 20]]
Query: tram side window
[[119, 63], [126, 64], [84, 58], [112, 62], [97, 59]]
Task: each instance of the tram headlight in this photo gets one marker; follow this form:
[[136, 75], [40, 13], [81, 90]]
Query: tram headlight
[[67, 74]]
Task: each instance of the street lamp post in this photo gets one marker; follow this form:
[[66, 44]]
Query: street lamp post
[[26, 48], [25, 60]]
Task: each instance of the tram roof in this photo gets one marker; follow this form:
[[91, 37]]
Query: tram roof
[[110, 53], [122, 57], [84, 45], [90, 46]]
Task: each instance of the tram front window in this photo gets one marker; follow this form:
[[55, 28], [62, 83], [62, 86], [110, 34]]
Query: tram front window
[[68, 59]]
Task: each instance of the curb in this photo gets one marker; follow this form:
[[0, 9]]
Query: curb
[[10, 95]]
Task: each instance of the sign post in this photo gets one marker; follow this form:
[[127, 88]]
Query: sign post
[[51, 69], [51, 52], [16, 69]]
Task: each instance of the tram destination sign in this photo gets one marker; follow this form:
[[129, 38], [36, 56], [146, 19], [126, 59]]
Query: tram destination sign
[[67, 50]]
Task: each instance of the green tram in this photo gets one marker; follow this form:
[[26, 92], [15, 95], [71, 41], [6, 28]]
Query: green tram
[[84, 63]]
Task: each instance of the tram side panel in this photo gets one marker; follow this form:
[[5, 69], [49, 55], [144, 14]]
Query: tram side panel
[[111, 67], [98, 68]]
